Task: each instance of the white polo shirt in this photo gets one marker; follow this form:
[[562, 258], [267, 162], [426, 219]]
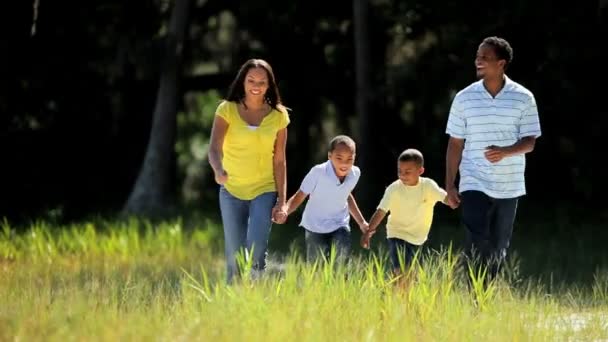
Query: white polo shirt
[[482, 121], [327, 206]]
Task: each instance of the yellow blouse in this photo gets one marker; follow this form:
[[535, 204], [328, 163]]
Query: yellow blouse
[[248, 151]]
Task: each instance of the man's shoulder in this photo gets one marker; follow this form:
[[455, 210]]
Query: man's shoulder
[[519, 89], [468, 90]]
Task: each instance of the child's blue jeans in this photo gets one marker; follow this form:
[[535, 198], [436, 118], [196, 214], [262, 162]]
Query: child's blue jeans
[[319, 245], [247, 225], [401, 253]]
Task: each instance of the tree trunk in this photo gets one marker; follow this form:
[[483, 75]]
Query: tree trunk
[[362, 100], [152, 192]]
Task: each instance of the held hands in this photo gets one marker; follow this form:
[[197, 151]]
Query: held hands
[[279, 213], [494, 153], [453, 199], [366, 238], [221, 177], [367, 234]]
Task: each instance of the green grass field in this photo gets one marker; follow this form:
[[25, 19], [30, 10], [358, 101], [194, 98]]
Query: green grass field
[[134, 280]]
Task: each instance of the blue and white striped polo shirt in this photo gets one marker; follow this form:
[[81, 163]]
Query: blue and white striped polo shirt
[[482, 121], [327, 207]]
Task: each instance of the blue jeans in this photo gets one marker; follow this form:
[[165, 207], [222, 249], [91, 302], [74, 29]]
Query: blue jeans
[[247, 225], [319, 245], [401, 253], [489, 226]]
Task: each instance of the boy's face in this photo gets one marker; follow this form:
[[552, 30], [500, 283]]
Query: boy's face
[[342, 158], [409, 172]]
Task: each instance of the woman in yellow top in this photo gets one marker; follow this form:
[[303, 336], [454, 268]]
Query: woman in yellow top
[[247, 154]]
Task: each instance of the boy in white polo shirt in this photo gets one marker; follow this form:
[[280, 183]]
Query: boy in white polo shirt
[[326, 216], [410, 200]]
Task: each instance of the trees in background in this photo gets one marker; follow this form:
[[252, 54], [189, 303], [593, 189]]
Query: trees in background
[[79, 97]]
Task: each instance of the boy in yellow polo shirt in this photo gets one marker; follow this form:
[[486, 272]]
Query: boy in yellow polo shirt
[[410, 200]]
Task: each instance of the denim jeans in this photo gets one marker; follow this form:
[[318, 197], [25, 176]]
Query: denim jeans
[[489, 225], [319, 245], [401, 253], [247, 225]]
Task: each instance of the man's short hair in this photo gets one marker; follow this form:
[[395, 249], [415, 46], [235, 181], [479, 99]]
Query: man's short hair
[[501, 47]]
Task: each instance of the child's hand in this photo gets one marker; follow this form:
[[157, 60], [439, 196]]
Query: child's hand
[[279, 214], [365, 239], [364, 226]]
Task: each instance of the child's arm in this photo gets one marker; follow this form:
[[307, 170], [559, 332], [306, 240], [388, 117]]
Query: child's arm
[[292, 205], [376, 219], [353, 208], [373, 225], [295, 201]]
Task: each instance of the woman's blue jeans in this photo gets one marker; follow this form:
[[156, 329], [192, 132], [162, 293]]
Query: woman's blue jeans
[[247, 225]]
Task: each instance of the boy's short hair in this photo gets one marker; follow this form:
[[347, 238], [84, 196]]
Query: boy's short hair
[[412, 154], [342, 140]]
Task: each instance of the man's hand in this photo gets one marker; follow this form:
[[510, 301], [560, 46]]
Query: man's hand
[[495, 153], [453, 197]]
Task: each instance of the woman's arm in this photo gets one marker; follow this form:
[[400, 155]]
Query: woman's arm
[[280, 166], [218, 132]]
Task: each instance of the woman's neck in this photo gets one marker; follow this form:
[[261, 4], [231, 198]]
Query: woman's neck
[[252, 104]]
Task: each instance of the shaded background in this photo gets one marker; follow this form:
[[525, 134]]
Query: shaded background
[[79, 86]]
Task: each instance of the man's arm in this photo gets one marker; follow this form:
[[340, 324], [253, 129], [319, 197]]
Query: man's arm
[[452, 163], [524, 145]]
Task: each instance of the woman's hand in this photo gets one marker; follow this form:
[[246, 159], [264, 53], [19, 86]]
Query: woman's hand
[[279, 213], [221, 177]]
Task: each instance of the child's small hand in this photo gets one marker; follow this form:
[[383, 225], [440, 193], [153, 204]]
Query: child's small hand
[[365, 239], [279, 214]]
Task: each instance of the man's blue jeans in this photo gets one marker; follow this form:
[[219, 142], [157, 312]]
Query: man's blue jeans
[[489, 226], [247, 225]]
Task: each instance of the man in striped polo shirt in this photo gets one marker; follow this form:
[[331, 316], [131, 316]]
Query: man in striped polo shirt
[[492, 124]]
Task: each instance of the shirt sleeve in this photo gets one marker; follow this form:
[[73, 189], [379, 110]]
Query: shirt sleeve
[[310, 181], [456, 126], [284, 121], [385, 202], [530, 123], [434, 192], [223, 111]]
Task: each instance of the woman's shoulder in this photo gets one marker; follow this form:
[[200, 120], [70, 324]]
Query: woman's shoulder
[[226, 109], [224, 105], [282, 113]]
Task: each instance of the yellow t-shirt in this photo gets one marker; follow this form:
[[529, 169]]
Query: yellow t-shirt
[[249, 150], [411, 209]]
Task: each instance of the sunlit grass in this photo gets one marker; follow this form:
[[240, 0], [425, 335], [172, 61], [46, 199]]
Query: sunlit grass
[[134, 280]]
